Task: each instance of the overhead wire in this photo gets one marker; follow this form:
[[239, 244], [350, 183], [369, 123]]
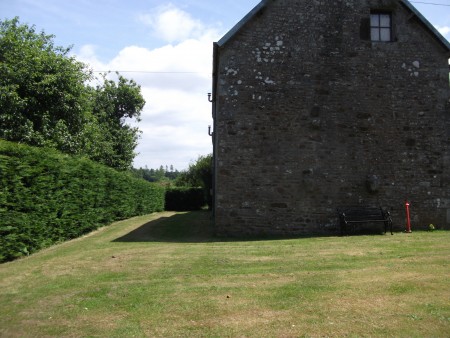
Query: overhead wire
[[145, 72], [429, 3], [158, 72]]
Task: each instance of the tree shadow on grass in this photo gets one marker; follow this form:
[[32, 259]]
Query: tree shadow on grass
[[187, 227]]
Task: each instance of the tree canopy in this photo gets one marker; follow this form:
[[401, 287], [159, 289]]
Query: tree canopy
[[46, 100], [199, 174]]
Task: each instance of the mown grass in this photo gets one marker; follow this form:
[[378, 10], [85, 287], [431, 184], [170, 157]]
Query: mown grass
[[165, 275]]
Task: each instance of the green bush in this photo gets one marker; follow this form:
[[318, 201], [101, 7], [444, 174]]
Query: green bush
[[199, 174], [185, 199], [47, 197]]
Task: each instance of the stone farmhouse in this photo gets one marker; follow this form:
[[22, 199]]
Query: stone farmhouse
[[319, 104]]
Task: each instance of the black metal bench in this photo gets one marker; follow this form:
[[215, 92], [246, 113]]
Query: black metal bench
[[349, 217]]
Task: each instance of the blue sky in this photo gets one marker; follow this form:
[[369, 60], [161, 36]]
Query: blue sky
[[151, 37]]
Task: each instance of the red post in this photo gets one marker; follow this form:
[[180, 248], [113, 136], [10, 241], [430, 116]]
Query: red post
[[408, 218]]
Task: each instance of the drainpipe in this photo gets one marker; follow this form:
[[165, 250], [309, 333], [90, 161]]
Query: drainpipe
[[213, 99]]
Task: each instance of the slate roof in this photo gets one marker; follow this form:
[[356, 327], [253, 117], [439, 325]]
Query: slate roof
[[405, 3]]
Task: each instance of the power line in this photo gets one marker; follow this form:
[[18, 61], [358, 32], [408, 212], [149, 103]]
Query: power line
[[146, 72], [157, 72], [429, 3]]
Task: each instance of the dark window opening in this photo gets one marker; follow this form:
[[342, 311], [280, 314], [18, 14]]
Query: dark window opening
[[381, 27]]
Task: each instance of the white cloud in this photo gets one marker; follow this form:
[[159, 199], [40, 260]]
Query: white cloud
[[87, 55], [444, 30], [174, 125], [175, 80], [172, 24]]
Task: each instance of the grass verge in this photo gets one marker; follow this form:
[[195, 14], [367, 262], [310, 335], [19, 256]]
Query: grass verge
[[165, 275]]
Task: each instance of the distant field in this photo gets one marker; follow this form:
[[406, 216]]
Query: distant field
[[165, 275]]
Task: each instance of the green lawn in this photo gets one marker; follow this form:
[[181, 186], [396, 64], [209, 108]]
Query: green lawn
[[165, 275]]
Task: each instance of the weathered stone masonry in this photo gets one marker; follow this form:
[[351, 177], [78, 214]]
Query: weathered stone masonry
[[310, 114]]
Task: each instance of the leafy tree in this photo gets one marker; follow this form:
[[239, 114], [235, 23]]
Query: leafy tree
[[114, 105], [42, 89], [199, 174], [156, 175], [45, 100]]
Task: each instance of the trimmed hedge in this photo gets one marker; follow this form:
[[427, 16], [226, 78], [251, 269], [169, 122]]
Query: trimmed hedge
[[47, 197], [185, 199]]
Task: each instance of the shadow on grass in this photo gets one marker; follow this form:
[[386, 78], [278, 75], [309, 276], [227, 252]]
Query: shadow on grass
[[197, 227], [188, 227]]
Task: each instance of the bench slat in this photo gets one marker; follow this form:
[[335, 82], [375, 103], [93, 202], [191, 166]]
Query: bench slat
[[361, 214]]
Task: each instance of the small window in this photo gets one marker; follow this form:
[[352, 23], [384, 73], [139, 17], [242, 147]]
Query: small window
[[381, 27]]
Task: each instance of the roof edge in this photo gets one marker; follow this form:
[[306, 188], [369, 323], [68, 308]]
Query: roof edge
[[427, 24], [242, 23], [233, 31]]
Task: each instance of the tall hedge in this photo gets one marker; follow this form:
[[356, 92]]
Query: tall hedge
[[47, 197], [185, 199]]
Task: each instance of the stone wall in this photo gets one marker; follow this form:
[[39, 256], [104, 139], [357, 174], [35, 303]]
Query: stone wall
[[311, 115]]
